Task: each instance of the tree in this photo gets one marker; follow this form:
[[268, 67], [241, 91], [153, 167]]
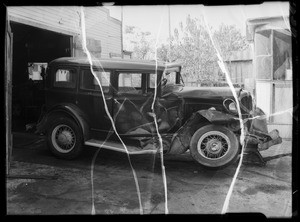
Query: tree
[[139, 42], [192, 45], [229, 40]]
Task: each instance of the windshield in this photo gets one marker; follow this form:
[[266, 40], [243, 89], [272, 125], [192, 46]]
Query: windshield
[[171, 81], [172, 78]]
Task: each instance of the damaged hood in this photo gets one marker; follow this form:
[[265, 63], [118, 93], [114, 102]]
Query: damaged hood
[[206, 92]]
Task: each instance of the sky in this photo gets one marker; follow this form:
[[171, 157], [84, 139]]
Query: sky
[[155, 19]]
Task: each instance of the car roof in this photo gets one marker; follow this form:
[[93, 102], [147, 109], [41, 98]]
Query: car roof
[[119, 64]]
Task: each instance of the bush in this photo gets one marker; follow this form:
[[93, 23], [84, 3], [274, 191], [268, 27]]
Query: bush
[[220, 84]]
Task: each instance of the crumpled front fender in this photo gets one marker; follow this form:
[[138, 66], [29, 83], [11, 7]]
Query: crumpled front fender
[[218, 117], [182, 137]]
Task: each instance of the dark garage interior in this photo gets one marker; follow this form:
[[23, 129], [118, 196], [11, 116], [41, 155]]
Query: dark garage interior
[[33, 49]]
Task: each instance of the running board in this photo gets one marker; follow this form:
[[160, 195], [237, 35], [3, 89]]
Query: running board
[[117, 147]]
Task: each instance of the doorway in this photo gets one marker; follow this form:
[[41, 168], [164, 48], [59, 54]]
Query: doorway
[[33, 49]]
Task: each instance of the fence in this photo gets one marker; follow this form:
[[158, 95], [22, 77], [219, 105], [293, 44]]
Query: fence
[[240, 67]]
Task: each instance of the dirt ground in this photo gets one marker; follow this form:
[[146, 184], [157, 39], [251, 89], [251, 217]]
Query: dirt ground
[[39, 183]]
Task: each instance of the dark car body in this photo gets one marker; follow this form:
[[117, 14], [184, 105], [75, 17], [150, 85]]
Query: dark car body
[[135, 99]]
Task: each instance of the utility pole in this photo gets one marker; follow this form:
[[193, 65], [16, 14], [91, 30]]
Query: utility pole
[[169, 33], [122, 52], [169, 22]]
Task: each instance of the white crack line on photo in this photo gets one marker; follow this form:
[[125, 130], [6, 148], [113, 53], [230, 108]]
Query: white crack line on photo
[[225, 71], [89, 56]]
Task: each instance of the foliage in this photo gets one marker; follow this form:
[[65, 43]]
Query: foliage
[[192, 45], [140, 43], [229, 40]]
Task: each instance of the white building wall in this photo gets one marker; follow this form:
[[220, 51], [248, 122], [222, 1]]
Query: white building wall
[[66, 20]]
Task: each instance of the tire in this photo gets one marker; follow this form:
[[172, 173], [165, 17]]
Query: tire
[[64, 138], [214, 146]]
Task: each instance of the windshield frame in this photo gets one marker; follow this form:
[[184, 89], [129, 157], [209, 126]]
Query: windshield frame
[[178, 77]]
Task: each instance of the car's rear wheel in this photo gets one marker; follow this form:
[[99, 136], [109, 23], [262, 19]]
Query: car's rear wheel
[[64, 138], [214, 146]]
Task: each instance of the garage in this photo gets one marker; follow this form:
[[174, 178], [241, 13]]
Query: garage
[[35, 35], [33, 49]]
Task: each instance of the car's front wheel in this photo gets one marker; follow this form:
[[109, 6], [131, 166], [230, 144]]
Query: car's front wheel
[[214, 146], [64, 138]]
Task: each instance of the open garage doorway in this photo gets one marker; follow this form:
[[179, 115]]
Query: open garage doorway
[[33, 49]]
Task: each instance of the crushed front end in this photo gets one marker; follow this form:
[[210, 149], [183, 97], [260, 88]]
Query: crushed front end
[[257, 136]]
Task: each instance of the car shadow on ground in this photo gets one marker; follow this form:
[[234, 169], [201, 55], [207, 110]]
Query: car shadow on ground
[[32, 148]]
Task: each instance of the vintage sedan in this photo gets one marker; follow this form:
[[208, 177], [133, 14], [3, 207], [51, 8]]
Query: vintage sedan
[[144, 107]]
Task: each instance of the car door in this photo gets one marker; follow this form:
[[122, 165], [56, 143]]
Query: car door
[[91, 100], [132, 103], [63, 85], [132, 106]]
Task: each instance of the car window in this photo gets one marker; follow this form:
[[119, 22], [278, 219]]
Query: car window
[[65, 78], [88, 80], [170, 77], [167, 79], [152, 81], [130, 83]]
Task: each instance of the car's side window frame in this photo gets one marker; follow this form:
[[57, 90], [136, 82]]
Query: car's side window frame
[[66, 67], [81, 88], [117, 74], [145, 81], [158, 82]]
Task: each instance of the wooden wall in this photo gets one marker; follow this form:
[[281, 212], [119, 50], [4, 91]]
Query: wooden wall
[[100, 27], [240, 70]]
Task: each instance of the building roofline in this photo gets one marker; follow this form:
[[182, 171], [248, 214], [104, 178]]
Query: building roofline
[[253, 23], [266, 18]]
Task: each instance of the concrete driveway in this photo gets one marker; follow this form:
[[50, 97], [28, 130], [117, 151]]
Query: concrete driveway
[[39, 183]]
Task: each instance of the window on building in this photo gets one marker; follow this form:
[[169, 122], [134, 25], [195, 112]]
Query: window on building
[[36, 70], [65, 78], [88, 80], [263, 54], [282, 55], [273, 55]]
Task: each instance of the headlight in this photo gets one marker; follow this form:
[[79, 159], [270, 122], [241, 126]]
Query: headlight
[[230, 105]]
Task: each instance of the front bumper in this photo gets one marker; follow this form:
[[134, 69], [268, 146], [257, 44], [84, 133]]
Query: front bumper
[[263, 141], [258, 138], [258, 132]]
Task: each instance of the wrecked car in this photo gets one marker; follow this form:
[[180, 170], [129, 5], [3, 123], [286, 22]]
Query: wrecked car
[[144, 107]]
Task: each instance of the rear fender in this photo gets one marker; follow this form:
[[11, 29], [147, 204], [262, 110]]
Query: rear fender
[[69, 110]]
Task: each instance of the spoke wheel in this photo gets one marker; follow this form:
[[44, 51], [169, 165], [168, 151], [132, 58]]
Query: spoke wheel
[[214, 146], [64, 137]]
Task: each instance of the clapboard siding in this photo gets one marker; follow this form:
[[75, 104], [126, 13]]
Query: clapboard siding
[[46, 18], [240, 70], [66, 20]]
